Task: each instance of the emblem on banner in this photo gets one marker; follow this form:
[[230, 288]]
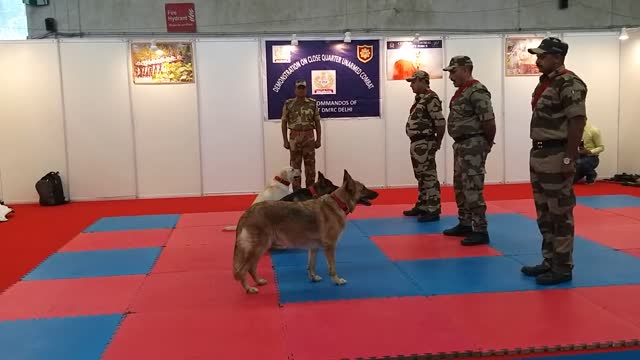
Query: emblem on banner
[[365, 53], [281, 54], [323, 82]]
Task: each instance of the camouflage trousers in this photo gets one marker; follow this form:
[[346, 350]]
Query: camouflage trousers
[[302, 147], [423, 160], [469, 157], [554, 198]]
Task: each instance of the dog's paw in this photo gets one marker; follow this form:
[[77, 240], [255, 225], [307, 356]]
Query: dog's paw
[[315, 277], [261, 282], [339, 281], [252, 290]]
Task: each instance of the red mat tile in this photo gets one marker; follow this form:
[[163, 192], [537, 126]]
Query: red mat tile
[[631, 212], [200, 248], [585, 216], [201, 290], [431, 246], [614, 236], [247, 333], [634, 252], [368, 328], [74, 297], [201, 236], [524, 207], [109, 240], [209, 219], [620, 300], [531, 319]]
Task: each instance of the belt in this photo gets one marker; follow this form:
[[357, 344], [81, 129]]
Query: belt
[[300, 130], [546, 144], [419, 137], [465, 137]]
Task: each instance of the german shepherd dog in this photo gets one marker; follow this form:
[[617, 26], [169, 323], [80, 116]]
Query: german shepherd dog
[[321, 187], [313, 224]]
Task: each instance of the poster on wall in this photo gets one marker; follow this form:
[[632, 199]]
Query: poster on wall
[[162, 63], [343, 77], [404, 58], [518, 61]]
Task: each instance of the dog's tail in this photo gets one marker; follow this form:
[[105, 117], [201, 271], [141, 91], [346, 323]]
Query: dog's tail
[[230, 228]]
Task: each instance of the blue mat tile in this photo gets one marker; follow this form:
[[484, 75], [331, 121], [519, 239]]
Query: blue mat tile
[[609, 201], [467, 275], [364, 280], [142, 222], [68, 338], [613, 355], [595, 268], [514, 234], [403, 226], [82, 264]]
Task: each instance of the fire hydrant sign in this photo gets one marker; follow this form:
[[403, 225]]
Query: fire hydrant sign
[[181, 17]]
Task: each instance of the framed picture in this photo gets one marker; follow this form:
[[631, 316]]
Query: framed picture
[[518, 61], [162, 63]]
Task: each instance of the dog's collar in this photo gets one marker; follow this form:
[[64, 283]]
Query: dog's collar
[[314, 193], [282, 181], [343, 206]]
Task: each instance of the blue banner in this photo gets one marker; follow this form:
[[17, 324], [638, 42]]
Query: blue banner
[[343, 77]]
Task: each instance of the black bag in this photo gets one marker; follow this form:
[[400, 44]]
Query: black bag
[[50, 190]]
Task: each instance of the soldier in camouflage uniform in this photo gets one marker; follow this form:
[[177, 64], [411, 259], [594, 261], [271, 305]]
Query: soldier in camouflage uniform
[[557, 123], [471, 124], [425, 129], [300, 115]]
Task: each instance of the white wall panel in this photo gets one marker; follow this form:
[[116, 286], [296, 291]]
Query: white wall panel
[[602, 76], [629, 109], [167, 139], [230, 116], [486, 54], [31, 117], [98, 119]]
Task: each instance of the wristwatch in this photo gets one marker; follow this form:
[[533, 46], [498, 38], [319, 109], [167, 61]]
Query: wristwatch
[[566, 161]]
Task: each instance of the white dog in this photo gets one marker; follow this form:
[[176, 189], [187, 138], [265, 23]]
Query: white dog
[[279, 187], [4, 211]]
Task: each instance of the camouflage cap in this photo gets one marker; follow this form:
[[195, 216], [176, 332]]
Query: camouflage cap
[[420, 74], [301, 83], [456, 61], [550, 45]]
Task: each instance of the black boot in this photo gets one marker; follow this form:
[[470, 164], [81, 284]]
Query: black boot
[[428, 217], [475, 238], [552, 278], [413, 212], [536, 269], [458, 230]]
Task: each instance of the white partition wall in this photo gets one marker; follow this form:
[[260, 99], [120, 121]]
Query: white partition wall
[[167, 139], [31, 117], [486, 54], [629, 160], [595, 58], [98, 119], [71, 106], [358, 146], [397, 100], [230, 116]]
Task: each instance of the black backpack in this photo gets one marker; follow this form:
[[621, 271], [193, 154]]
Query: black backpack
[[50, 190]]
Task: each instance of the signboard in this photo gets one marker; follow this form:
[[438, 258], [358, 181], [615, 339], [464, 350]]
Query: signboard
[[343, 77], [180, 17]]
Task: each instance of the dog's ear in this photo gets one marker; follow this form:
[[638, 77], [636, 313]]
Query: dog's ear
[[346, 177], [320, 176]]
